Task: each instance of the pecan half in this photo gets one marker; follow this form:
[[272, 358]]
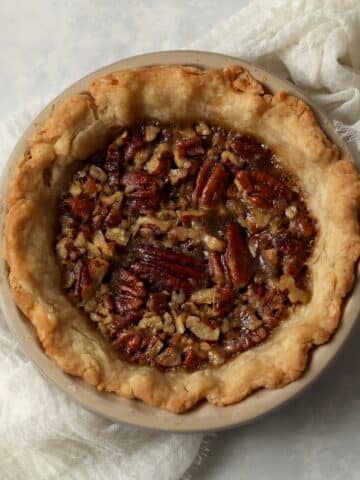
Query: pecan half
[[133, 146], [130, 342], [169, 270], [263, 190], [169, 256], [237, 256], [158, 278], [142, 190], [154, 243], [202, 178], [304, 225], [129, 297], [112, 164], [223, 300], [286, 243], [215, 188], [248, 148], [216, 268]]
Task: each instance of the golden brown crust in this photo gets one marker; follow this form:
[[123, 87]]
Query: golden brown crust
[[230, 97]]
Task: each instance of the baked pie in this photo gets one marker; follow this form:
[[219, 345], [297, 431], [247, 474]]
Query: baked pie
[[176, 234]]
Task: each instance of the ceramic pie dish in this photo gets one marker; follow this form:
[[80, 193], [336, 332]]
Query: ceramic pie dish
[[177, 233]]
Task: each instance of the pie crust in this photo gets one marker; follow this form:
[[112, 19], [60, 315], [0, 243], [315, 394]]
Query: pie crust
[[231, 98]]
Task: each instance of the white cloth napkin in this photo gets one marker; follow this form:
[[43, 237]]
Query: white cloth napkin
[[43, 435], [313, 43]]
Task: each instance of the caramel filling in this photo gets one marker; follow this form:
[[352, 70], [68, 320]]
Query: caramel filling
[[184, 245]]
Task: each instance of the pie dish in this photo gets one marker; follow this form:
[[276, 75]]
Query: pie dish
[[312, 178]]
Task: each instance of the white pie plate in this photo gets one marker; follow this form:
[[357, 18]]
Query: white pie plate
[[205, 417]]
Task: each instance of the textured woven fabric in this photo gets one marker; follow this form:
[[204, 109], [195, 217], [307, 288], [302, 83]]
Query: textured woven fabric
[[44, 435], [314, 43]]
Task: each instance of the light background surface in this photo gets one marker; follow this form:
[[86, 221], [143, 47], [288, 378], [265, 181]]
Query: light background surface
[[47, 45]]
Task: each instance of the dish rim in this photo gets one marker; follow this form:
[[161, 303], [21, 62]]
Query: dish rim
[[141, 415]]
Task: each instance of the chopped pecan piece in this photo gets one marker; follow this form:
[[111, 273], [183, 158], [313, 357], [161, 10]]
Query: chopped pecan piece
[[218, 142], [293, 264], [126, 281], [293, 252], [89, 277], [118, 235], [269, 260], [89, 187], [113, 218], [154, 347], [133, 146], [296, 295], [192, 359], [260, 241], [268, 302], [170, 357], [158, 302], [236, 344], [213, 243], [201, 329], [286, 243], [258, 335], [231, 161], [151, 132], [97, 173], [98, 216], [203, 129], [203, 296], [191, 147], [159, 163], [187, 216], [237, 256], [81, 207], [152, 322]]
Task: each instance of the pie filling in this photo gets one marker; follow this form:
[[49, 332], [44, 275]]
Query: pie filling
[[184, 245]]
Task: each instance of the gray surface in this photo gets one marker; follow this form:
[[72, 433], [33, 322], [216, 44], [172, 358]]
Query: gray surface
[[315, 437], [45, 46]]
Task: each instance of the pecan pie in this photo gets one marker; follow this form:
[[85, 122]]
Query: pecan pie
[[176, 234]]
